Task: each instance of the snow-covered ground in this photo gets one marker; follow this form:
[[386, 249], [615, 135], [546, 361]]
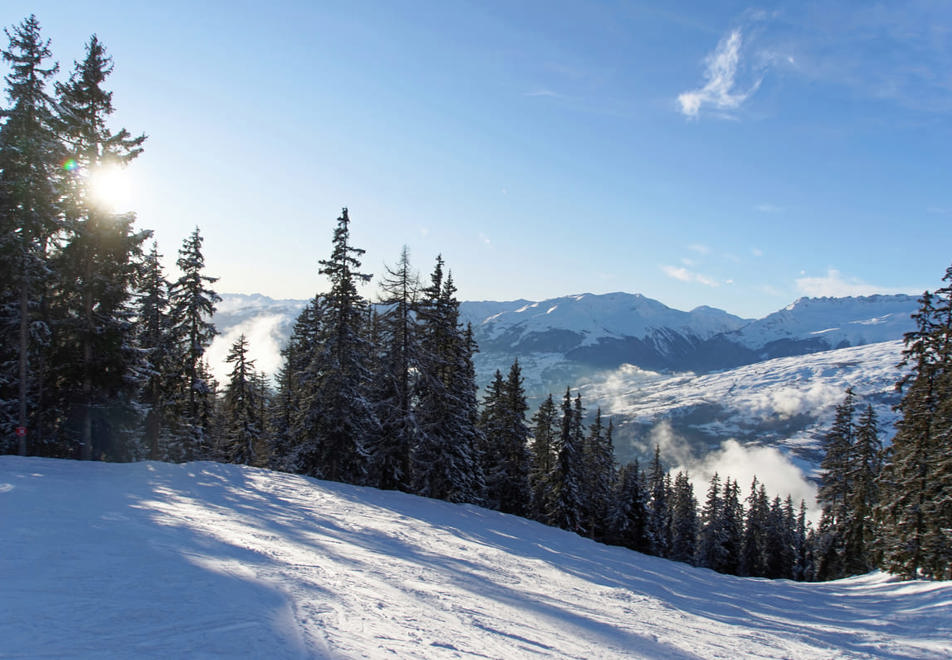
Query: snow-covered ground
[[209, 560], [762, 399]]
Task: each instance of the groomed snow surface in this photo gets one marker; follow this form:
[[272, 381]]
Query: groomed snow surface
[[209, 560]]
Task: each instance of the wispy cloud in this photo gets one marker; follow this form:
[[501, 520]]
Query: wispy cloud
[[685, 275], [768, 208], [485, 239], [541, 91], [720, 91], [834, 284], [700, 248]]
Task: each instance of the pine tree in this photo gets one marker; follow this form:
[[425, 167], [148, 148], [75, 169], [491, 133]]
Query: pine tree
[[564, 504], [505, 452], [711, 551], [543, 456], [915, 511], [733, 528], [288, 415], [155, 337], [865, 465], [754, 550], [659, 507], [779, 548], [802, 561], [192, 305], [29, 223], [599, 485], [337, 412], [445, 462], [398, 338], [684, 523], [630, 527], [243, 422], [835, 491], [98, 366]]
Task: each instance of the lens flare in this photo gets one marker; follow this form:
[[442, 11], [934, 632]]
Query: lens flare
[[70, 164]]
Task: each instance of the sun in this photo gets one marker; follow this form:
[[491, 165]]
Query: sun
[[110, 187]]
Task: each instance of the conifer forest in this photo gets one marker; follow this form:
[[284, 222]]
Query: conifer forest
[[102, 358]]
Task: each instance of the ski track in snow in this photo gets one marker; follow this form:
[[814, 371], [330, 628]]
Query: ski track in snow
[[210, 560]]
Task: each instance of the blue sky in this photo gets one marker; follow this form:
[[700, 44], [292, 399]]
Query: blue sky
[[727, 154]]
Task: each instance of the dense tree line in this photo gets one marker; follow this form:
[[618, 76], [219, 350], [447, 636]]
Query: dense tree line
[[892, 507], [102, 357]]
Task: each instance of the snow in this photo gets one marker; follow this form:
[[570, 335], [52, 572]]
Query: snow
[[849, 321], [778, 389], [604, 315], [209, 560]]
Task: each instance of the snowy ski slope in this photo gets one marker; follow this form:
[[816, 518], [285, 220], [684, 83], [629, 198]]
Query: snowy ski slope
[[208, 560]]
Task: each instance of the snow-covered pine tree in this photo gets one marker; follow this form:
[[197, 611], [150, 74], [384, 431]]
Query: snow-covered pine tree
[[598, 487], [398, 362], [241, 438], [803, 559], [337, 414], [630, 526], [98, 366], [445, 462], [835, 489], [564, 505], [779, 546], [192, 303], [937, 544], [684, 522], [915, 512], [505, 453], [905, 476], [155, 337], [543, 455], [859, 534], [29, 222], [659, 507], [733, 527], [492, 425], [754, 549], [288, 415], [711, 552]]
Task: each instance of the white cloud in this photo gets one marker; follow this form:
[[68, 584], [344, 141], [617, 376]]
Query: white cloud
[[772, 468], [685, 275], [833, 284], [719, 92], [740, 463], [757, 252], [485, 239], [541, 91], [264, 335], [700, 248]]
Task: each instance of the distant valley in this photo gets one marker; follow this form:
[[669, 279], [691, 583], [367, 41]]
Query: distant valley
[[705, 375]]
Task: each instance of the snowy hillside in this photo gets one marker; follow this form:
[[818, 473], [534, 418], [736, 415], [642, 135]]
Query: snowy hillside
[[785, 402], [202, 560], [831, 322]]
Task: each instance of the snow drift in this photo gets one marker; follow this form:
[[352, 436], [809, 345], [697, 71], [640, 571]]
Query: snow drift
[[203, 559]]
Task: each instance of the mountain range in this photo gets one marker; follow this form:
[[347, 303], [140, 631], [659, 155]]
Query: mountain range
[[706, 375]]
